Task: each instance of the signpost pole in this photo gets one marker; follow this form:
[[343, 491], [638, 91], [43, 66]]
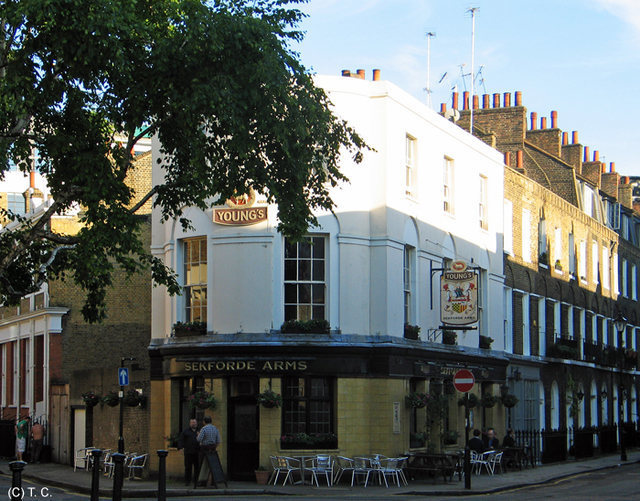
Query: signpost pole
[[120, 426], [467, 454]]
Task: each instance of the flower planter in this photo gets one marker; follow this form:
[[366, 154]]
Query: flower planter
[[90, 399], [262, 477]]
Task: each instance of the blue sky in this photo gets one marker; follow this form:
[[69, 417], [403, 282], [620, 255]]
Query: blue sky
[[578, 57]]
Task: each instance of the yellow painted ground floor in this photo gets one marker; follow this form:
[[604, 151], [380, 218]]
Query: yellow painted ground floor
[[347, 406]]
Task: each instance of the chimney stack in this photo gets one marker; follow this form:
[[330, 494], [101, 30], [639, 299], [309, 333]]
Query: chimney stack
[[534, 119]]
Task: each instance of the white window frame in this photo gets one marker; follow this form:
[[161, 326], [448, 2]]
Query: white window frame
[[594, 261], [634, 283], [202, 284], [483, 205], [410, 168], [582, 261], [312, 281], [606, 277], [572, 253], [448, 168], [408, 281]]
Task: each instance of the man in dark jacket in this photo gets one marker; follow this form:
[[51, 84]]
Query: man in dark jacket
[[188, 440], [475, 443]]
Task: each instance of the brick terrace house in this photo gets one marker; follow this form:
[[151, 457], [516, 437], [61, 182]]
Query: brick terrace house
[[49, 355], [570, 263]]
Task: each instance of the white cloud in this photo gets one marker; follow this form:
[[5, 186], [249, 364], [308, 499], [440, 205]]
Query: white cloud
[[627, 10]]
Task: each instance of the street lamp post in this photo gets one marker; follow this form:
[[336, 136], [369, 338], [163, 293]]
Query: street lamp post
[[120, 424], [620, 324]]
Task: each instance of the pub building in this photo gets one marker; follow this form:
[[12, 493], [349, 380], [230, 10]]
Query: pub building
[[346, 327]]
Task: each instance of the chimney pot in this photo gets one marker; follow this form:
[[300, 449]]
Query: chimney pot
[[518, 98], [543, 122], [476, 102], [585, 158], [361, 74], [496, 100], [596, 156], [465, 100], [443, 108], [574, 137], [454, 103], [485, 100], [507, 158], [519, 161], [346, 73], [565, 138], [612, 166], [554, 119], [534, 119], [376, 75], [507, 99]]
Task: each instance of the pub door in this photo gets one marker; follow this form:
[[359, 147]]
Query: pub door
[[243, 428]]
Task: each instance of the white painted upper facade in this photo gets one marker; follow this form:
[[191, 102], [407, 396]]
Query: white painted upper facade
[[380, 218]]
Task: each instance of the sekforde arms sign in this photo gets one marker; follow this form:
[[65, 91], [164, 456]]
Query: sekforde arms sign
[[458, 295]]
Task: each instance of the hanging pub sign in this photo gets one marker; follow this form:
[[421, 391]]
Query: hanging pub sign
[[241, 211], [458, 295]]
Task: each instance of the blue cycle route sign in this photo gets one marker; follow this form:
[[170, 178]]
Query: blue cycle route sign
[[123, 376]]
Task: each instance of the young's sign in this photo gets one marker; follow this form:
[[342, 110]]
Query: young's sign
[[458, 295]]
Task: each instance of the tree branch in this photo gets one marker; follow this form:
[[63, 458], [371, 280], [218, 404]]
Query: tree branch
[[58, 239], [143, 200]]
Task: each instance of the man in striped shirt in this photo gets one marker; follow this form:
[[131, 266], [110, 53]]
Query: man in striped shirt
[[208, 438]]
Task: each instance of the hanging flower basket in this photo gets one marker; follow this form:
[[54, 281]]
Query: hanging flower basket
[[202, 400], [90, 399], [111, 399], [509, 400], [269, 399], [473, 401], [487, 401], [416, 400], [132, 398]]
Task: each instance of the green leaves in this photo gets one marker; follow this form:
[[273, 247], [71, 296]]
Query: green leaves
[[216, 81]]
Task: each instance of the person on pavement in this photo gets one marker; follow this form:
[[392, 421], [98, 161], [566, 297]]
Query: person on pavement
[[188, 441]]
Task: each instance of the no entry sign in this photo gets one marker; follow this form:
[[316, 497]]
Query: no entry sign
[[463, 380]]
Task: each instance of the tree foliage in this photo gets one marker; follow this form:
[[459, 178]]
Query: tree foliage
[[219, 84]]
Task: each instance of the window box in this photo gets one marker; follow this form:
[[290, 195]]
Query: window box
[[485, 342], [305, 327], [312, 441], [189, 329], [411, 332], [449, 337]]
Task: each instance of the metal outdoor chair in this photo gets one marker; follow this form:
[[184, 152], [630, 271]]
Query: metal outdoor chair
[[322, 465], [362, 467], [81, 458], [495, 461], [284, 464], [392, 467], [341, 465], [137, 464]]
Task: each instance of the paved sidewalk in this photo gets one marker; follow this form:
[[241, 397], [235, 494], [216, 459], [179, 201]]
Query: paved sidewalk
[[56, 475]]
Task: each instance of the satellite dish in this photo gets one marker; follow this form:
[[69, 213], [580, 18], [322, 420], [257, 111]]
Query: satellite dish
[[452, 114]]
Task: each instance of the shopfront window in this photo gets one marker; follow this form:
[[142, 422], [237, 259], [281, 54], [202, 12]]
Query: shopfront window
[[307, 417]]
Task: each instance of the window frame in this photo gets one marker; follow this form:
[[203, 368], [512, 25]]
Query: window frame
[[483, 204], [410, 165], [448, 185], [290, 427], [189, 287], [312, 282]]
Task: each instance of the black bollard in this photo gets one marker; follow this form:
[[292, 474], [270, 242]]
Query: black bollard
[[118, 466], [162, 475], [95, 474], [16, 468]]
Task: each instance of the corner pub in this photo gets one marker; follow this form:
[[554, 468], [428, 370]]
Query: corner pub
[[326, 324]]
